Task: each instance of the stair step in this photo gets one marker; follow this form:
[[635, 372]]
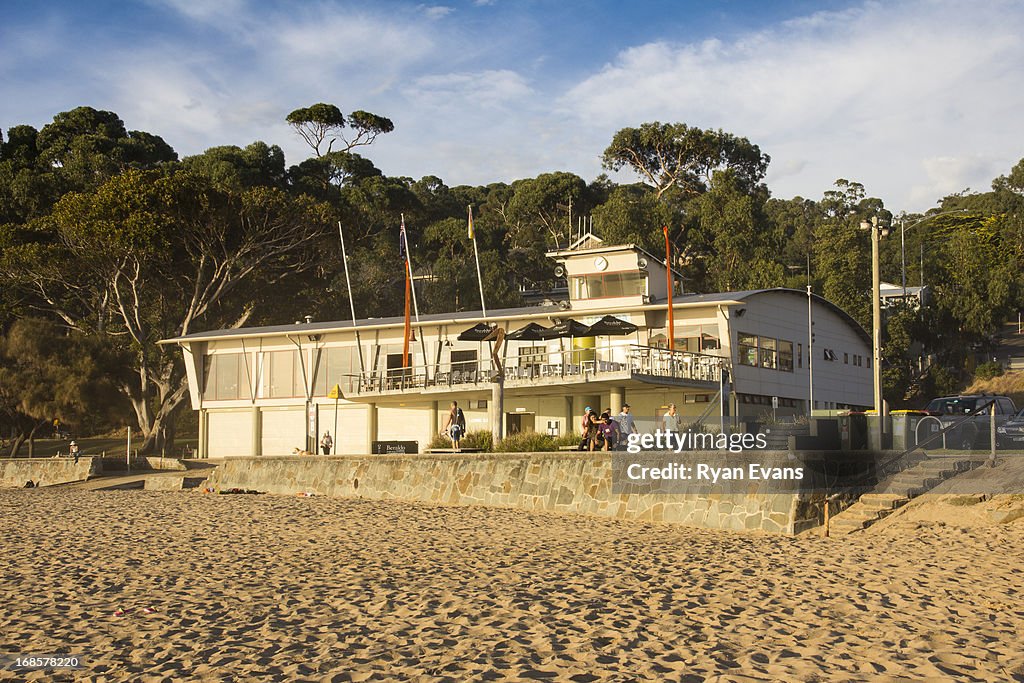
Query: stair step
[[883, 501]]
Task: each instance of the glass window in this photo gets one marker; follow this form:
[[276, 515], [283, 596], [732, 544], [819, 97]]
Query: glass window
[[608, 285], [747, 349], [768, 355], [285, 374], [786, 356], [799, 355], [463, 360], [336, 367]]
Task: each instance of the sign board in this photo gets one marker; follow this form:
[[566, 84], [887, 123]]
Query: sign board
[[394, 447], [311, 416], [335, 392], [775, 401]]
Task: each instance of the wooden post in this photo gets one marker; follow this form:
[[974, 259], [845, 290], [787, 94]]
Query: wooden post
[[824, 530], [992, 433]]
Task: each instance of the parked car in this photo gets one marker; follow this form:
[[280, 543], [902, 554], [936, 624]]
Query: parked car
[[971, 433], [1011, 433]]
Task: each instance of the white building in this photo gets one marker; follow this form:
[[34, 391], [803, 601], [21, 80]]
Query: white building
[[264, 390]]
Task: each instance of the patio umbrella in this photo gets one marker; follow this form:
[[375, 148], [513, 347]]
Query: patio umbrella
[[530, 332], [611, 326], [566, 328], [476, 333]]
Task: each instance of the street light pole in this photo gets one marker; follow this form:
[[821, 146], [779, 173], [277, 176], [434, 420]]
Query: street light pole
[[876, 321]]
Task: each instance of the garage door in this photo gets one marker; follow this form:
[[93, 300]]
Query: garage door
[[229, 433], [283, 430], [351, 436]]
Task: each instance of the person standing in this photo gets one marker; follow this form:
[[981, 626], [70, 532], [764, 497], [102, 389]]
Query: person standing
[[326, 443], [670, 420], [73, 451], [593, 424], [626, 423], [609, 431], [456, 425]]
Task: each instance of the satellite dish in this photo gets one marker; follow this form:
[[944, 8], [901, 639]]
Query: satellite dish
[[642, 262], [559, 271]]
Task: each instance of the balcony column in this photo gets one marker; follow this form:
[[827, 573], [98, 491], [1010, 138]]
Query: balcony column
[[257, 431], [371, 426], [570, 416], [618, 397], [435, 406]]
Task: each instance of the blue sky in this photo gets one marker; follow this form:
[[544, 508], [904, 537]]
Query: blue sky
[[914, 99]]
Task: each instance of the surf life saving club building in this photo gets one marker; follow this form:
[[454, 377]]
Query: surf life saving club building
[[268, 390]]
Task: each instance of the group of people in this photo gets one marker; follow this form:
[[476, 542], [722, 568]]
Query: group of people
[[601, 431]]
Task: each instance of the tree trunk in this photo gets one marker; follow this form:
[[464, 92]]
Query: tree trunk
[[16, 445], [32, 438]]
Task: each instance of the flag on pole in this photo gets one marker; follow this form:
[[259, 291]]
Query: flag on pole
[[471, 233], [401, 241]]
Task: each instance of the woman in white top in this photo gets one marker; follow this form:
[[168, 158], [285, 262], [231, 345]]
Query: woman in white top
[[670, 420]]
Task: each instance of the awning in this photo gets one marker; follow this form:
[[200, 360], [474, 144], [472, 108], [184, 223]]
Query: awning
[[566, 328], [530, 332], [478, 332], [610, 326]]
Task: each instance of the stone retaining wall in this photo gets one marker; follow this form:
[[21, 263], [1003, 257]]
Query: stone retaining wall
[[14, 472], [573, 483]]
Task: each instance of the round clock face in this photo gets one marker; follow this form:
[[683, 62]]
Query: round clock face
[[600, 263]]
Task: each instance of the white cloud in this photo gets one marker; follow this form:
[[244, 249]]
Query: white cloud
[[437, 11], [868, 93]]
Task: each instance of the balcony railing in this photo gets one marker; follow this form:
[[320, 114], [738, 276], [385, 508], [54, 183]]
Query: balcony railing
[[567, 366]]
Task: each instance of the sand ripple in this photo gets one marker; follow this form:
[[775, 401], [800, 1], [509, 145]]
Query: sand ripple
[[154, 586]]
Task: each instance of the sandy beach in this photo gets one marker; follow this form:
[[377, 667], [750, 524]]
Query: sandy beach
[[149, 586]]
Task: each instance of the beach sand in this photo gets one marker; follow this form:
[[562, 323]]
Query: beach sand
[[283, 588]]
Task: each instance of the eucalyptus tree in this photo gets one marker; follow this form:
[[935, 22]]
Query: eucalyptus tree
[[148, 256]]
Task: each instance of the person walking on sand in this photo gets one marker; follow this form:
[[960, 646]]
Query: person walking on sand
[[326, 443], [456, 425], [73, 451]]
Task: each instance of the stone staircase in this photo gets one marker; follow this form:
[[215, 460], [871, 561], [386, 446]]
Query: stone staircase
[[897, 491]]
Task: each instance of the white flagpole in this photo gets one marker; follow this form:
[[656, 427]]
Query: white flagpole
[[351, 303], [415, 306], [476, 255]]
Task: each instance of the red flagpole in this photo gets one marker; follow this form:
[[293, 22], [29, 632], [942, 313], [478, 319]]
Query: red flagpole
[[671, 289]]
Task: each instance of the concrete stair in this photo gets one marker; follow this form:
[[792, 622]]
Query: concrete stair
[[895, 492]]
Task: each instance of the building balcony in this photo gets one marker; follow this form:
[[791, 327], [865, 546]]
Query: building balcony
[[647, 364]]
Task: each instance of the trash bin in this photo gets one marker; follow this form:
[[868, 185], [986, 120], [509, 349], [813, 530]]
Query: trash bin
[[904, 428]]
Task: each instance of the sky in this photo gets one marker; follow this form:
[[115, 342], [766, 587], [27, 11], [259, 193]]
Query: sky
[[915, 100]]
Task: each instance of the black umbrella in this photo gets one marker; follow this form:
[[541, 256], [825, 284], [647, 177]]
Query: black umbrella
[[566, 328], [476, 333], [610, 326], [531, 332]]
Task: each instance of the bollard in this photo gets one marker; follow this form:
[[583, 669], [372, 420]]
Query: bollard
[[992, 433], [824, 529]]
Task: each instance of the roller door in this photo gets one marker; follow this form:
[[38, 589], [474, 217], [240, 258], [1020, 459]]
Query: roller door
[[229, 434], [283, 430]]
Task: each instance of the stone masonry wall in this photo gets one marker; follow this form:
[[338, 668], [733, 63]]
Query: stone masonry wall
[[44, 471], [574, 483]]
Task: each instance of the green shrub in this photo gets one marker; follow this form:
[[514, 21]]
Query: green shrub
[[439, 441], [526, 442], [570, 439], [481, 438], [988, 370]]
